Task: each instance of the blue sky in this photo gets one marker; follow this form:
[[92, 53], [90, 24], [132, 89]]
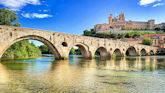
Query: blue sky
[[74, 16]]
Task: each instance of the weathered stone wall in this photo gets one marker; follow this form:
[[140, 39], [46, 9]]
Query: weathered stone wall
[[119, 31], [55, 40]]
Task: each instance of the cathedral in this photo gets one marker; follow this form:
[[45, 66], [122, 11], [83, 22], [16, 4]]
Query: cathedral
[[120, 22]]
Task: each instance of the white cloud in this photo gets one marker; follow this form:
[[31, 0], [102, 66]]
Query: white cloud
[[18, 4], [147, 2], [27, 15], [44, 10], [36, 15], [158, 4]]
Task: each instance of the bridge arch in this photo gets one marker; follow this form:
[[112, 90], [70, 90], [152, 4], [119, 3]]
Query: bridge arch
[[117, 53], [84, 50], [151, 52], [131, 51], [52, 48], [143, 52], [103, 53]]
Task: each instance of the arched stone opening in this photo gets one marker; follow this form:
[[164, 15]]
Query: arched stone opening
[[64, 44], [80, 49], [102, 52], [143, 52], [151, 52], [117, 53], [131, 51], [38, 38]]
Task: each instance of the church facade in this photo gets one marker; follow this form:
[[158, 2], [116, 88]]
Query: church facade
[[120, 22]]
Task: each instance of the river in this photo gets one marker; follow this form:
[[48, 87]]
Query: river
[[78, 75]]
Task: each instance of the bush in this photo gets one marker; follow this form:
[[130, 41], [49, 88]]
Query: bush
[[147, 41], [44, 49], [134, 34], [75, 51], [22, 49]]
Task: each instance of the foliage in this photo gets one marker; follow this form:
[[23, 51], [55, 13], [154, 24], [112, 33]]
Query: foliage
[[8, 17], [160, 28], [147, 41], [75, 51], [44, 49], [22, 49], [97, 53], [114, 55], [134, 34], [157, 28], [163, 28]]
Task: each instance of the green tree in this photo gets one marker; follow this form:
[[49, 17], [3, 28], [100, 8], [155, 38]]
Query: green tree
[[21, 49], [163, 28], [134, 34], [113, 35], [75, 51], [127, 35], [44, 49], [8, 17], [120, 36], [147, 41], [157, 29]]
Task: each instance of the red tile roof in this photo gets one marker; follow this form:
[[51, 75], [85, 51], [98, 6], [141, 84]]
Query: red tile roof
[[130, 39], [151, 35]]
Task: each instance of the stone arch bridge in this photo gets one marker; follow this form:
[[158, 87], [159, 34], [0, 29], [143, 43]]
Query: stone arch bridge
[[60, 44]]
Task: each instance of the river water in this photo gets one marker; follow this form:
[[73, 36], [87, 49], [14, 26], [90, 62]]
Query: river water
[[121, 75]]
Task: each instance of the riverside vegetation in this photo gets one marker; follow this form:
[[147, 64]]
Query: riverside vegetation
[[134, 34], [21, 49]]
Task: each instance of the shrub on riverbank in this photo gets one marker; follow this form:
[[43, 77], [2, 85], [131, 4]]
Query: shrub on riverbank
[[22, 49], [44, 49], [147, 41], [75, 51]]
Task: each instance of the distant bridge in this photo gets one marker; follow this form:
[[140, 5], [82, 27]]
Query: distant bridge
[[60, 44]]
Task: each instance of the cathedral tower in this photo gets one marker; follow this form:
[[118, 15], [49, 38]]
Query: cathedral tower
[[122, 17], [110, 20]]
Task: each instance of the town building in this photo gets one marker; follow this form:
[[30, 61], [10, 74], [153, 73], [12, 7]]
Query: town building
[[158, 39]]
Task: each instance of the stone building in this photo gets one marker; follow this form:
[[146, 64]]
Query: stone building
[[160, 25], [120, 22]]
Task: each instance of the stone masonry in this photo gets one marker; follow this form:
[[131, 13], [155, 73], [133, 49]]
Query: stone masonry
[[60, 44]]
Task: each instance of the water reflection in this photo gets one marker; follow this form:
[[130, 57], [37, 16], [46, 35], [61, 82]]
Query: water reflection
[[3, 74], [123, 64], [135, 74]]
